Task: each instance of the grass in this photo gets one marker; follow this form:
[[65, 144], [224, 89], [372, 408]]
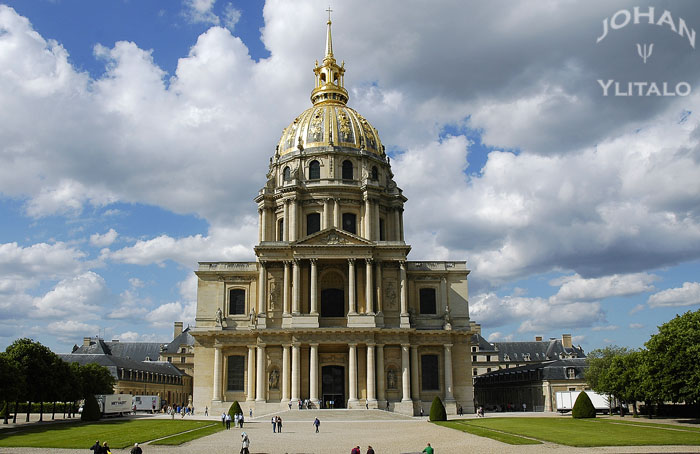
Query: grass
[[79, 435], [584, 432], [189, 436], [488, 433]]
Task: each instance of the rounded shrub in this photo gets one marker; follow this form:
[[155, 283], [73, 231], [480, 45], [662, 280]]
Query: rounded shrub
[[91, 411], [583, 407], [437, 410], [235, 409]]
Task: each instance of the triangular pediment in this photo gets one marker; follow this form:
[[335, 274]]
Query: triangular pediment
[[333, 237]]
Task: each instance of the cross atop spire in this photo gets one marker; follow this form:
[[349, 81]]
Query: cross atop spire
[[329, 40], [329, 76], [329, 13]]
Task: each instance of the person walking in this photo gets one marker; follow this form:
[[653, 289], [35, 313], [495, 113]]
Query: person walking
[[316, 424], [245, 443], [96, 448], [228, 422], [250, 412], [136, 449], [355, 450], [279, 425], [428, 449], [274, 424], [370, 450], [241, 420], [105, 448], [206, 411]]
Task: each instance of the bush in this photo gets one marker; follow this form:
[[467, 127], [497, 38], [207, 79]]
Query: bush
[[583, 408], [235, 409], [91, 411], [437, 410]]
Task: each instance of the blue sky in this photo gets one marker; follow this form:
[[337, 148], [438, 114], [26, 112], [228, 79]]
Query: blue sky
[[134, 136]]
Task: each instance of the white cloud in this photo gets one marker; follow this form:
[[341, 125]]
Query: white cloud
[[105, 239], [497, 336], [136, 282], [605, 328], [71, 330], [576, 288], [687, 295], [39, 261], [637, 308], [231, 16], [200, 11], [79, 297], [636, 325], [130, 306]]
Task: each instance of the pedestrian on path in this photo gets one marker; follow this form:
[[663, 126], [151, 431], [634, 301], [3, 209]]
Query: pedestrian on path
[[223, 419], [206, 411], [370, 450], [136, 449], [355, 450], [274, 424], [245, 443], [428, 449], [279, 425], [316, 424], [96, 448], [228, 422]]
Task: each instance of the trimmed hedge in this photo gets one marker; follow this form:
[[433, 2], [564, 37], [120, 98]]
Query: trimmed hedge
[[437, 410], [91, 411], [583, 408], [235, 409]]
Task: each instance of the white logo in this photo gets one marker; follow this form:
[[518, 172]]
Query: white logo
[[642, 51]]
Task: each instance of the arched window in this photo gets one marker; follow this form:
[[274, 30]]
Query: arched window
[[350, 222], [314, 170], [375, 173], [287, 174], [347, 170]]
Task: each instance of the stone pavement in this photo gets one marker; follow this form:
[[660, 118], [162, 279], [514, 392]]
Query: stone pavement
[[341, 430]]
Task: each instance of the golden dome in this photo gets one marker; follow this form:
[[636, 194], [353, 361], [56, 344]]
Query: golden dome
[[330, 121]]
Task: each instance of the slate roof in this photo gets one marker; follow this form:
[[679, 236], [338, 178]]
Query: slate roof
[[537, 350], [113, 363], [137, 351], [184, 338], [548, 370]]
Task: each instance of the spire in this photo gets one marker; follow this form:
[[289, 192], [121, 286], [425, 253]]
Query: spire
[[330, 78], [329, 40]]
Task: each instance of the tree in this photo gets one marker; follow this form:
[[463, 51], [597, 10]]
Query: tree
[[95, 379], [629, 378], [10, 381], [583, 407], [437, 410], [235, 409], [34, 362], [598, 375], [673, 366], [91, 410]]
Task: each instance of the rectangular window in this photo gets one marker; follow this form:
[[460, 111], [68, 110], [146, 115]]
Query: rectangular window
[[349, 223], [427, 301], [429, 373], [182, 360], [235, 373], [170, 359], [236, 301], [280, 230], [474, 358], [382, 236], [488, 357], [313, 223]]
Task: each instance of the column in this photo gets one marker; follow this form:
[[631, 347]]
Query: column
[[449, 396], [262, 283], [371, 396], [217, 372], [369, 287], [381, 380], [368, 219], [285, 373], [336, 214], [443, 291], [352, 305], [292, 228], [296, 288], [325, 219], [295, 372], [313, 373], [251, 373], [264, 224], [405, 378], [397, 225], [403, 289], [375, 216], [314, 287], [401, 223], [352, 373], [260, 224], [378, 269], [285, 288], [260, 386], [415, 392], [285, 229]]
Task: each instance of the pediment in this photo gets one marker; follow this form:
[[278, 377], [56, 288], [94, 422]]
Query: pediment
[[333, 237]]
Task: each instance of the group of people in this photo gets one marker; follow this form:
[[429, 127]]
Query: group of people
[[98, 448], [238, 420], [276, 424], [480, 412], [356, 450]]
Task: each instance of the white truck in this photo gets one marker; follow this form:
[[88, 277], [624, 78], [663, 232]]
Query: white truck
[[114, 404], [567, 399], [145, 403]]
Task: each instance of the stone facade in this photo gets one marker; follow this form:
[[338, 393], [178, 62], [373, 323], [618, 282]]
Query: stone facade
[[331, 311]]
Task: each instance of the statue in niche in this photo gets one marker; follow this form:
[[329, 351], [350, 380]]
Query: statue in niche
[[274, 380], [219, 317], [253, 317], [274, 295], [448, 320], [391, 378]]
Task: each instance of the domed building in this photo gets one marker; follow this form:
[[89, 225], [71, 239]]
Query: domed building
[[331, 314]]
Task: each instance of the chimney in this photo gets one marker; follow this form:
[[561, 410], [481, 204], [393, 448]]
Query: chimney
[[177, 329], [566, 341], [538, 338], [86, 341]]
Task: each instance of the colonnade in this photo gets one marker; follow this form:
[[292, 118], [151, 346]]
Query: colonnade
[[331, 216], [373, 292], [291, 378]]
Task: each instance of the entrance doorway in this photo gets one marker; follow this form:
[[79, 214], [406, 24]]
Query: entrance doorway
[[332, 302], [333, 386]]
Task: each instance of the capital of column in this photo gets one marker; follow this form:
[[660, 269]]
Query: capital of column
[[313, 261], [369, 261], [296, 261], [351, 261], [287, 262]]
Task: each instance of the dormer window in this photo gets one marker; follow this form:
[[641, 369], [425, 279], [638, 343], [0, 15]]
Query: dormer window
[[526, 357], [570, 372], [506, 358]]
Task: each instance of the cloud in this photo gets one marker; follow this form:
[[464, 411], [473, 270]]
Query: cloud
[[105, 239], [130, 306], [231, 16], [78, 297], [605, 328], [575, 288], [687, 295], [39, 261], [136, 282], [70, 330], [636, 325], [200, 11], [497, 336]]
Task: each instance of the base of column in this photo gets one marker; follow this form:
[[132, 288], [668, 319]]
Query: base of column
[[405, 407], [261, 322], [372, 404], [451, 407], [381, 404], [405, 321], [355, 404], [303, 321], [361, 321], [379, 319], [286, 320]]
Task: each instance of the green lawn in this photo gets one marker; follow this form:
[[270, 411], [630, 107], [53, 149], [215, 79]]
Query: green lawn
[[582, 432], [117, 433], [488, 433], [189, 436]]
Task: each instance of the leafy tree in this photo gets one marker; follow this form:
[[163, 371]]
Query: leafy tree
[[96, 379], [437, 410], [629, 377], [583, 407], [10, 380], [235, 409], [598, 373], [673, 365], [91, 410], [34, 362]]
